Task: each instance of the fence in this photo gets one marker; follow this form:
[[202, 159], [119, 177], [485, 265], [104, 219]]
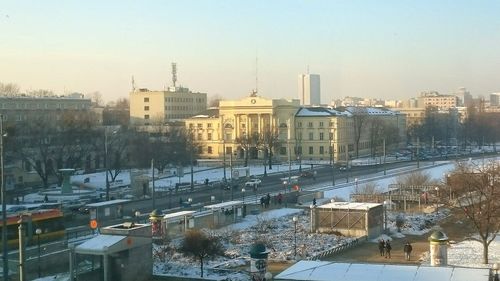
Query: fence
[[338, 248]]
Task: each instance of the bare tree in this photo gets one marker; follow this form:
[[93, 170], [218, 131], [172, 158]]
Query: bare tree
[[360, 120], [9, 89], [269, 141], [368, 188], [214, 101], [416, 178], [200, 245], [247, 142], [476, 190]]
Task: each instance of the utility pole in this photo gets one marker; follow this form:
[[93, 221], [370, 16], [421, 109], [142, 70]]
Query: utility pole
[[224, 155], [153, 179], [106, 162], [5, 252], [333, 162], [385, 169], [418, 152], [22, 260]]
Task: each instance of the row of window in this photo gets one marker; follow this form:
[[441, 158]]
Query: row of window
[[310, 124], [172, 99], [42, 106]]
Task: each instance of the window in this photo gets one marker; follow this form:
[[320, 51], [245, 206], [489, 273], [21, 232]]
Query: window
[[209, 150], [199, 136], [321, 150], [146, 116], [146, 108], [299, 150], [283, 150], [310, 124], [321, 136], [209, 136], [321, 123], [331, 136], [311, 136], [200, 125], [146, 99], [299, 124], [311, 150], [209, 125]]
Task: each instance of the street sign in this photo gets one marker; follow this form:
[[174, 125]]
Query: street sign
[[93, 224]]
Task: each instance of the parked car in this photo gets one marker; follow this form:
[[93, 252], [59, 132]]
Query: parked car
[[307, 174], [253, 183]]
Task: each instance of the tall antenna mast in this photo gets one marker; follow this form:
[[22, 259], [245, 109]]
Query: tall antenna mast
[[174, 73], [133, 84], [256, 73]]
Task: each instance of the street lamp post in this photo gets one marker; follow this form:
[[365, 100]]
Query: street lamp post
[[312, 217], [437, 199], [38, 231], [243, 192], [385, 216], [356, 183], [284, 187], [5, 251], [295, 236]]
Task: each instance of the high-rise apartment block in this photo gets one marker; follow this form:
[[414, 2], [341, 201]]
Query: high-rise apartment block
[[309, 89]]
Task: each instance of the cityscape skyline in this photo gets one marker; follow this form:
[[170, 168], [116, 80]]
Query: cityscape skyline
[[391, 51]]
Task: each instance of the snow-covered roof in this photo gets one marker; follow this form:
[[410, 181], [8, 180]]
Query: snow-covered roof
[[324, 271], [349, 205], [178, 214], [100, 244], [107, 203], [224, 205], [370, 110], [320, 111]]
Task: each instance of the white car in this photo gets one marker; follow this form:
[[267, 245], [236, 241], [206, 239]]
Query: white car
[[253, 183]]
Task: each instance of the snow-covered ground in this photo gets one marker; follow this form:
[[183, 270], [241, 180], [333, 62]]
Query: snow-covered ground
[[276, 228]]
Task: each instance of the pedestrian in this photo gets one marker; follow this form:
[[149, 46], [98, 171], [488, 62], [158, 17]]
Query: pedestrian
[[387, 249], [314, 201], [381, 246], [280, 198], [407, 249], [268, 200], [262, 201]]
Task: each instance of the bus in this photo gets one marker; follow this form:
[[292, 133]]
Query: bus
[[49, 221]]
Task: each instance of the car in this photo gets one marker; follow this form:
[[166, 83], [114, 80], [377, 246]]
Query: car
[[307, 174], [253, 183]]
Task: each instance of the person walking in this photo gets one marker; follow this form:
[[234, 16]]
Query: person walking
[[407, 249], [387, 249], [381, 246]]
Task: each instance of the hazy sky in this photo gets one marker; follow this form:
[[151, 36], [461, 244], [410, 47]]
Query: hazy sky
[[384, 49]]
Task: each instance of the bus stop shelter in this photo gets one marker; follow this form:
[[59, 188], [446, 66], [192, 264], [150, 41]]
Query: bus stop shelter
[[182, 218], [107, 210], [226, 212]]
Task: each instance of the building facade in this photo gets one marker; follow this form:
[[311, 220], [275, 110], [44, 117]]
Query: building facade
[[22, 107], [434, 99], [309, 87], [258, 126], [157, 107]]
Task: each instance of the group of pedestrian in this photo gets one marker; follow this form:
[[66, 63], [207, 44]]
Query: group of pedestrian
[[265, 200], [385, 248]]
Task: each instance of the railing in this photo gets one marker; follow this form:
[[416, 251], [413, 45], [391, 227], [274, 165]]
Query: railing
[[338, 248]]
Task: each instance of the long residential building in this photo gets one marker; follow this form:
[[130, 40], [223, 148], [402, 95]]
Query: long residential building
[[25, 107], [258, 125]]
